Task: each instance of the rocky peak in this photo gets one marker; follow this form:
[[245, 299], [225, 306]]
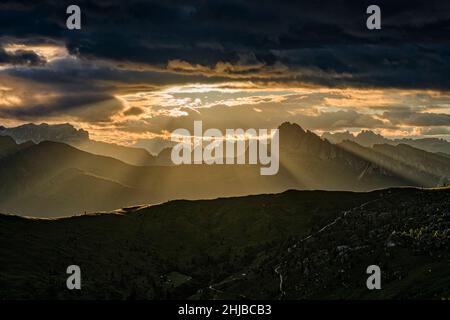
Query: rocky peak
[[44, 132]]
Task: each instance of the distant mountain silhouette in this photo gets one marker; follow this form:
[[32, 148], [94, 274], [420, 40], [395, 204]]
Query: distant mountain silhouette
[[130, 155], [52, 179], [424, 168], [315, 162], [369, 138], [9, 146], [32, 132], [78, 138]]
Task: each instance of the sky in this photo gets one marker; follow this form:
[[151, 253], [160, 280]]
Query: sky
[[137, 70]]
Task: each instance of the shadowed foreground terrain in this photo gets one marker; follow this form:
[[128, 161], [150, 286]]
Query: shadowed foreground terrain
[[293, 245]]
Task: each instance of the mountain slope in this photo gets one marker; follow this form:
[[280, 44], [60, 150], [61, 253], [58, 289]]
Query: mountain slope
[[307, 157], [130, 155], [424, 168], [73, 191], [369, 138], [320, 243], [78, 138], [8, 146], [403, 231]]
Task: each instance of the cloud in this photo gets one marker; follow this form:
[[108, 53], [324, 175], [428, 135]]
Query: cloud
[[339, 120], [86, 107], [133, 111], [435, 131], [420, 119], [294, 41], [267, 115], [247, 64], [20, 57]]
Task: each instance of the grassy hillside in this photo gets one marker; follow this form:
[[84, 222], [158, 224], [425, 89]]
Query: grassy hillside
[[236, 248]]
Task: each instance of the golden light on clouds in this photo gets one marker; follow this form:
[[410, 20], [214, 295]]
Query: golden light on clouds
[[48, 52], [246, 68], [360, 98], [144, 113], [197, 96], [295, 102], [8, 98]]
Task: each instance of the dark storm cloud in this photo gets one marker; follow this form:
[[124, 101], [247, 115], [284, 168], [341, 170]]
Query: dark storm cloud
[[20, 57], [81, 89], [77, 106], [324, 42], [71, 74]]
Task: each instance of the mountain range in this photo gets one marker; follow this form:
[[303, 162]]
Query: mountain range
[[369, 138], [78, 138], [50, 178]]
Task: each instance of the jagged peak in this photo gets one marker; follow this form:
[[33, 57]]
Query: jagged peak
[[368, 133], [291, 127], [44, 131], [348, 142]]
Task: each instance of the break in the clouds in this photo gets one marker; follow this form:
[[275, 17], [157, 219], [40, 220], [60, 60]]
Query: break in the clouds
[[146, 67]]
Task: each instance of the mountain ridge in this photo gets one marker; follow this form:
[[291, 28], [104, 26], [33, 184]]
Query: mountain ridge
[[303, 158], [235, 248], [368, 138], [79, 138]]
